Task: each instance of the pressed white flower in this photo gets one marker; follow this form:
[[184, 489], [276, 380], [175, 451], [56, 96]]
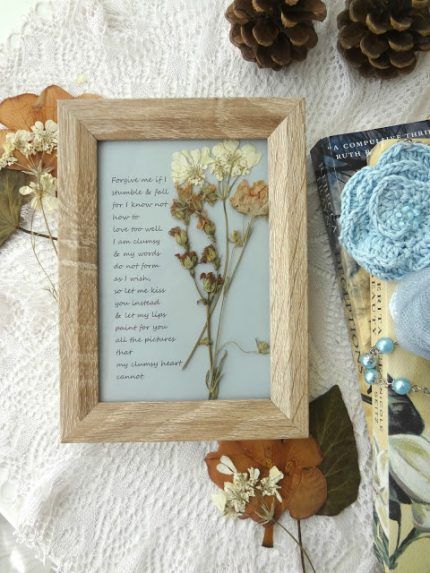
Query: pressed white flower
[[250, 158], [224, 505], [219, 500], [21, 141], [7, 159], [269, 485], [254, 474], [236, 498], [226, 466], [228, 158], [233, 501], [245, 484], [43, 192], [45, 137], [190, 166]]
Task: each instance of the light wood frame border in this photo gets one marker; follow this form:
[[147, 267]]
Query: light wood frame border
[[84, 122]]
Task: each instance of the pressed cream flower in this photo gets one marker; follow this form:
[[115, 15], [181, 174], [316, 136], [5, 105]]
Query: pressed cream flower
[[45, 137], [236, 495], [20, 141], [190, 166], [269, 485], [228, 158], [43, 192], [7, 159]]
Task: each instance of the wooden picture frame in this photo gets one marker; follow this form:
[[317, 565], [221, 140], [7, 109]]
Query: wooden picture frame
[[85, 122]]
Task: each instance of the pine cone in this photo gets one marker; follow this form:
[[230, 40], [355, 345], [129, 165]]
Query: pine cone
[[273, 33], [382, 37]]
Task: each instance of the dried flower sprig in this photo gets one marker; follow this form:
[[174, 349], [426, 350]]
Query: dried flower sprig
[[29, 145], [227, 162], [248, 494]]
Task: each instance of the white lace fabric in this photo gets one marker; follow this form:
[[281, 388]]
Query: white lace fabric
[[132, 508]]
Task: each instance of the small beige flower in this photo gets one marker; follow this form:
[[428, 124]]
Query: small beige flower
[[188, 260], [210, 255], [252, 201], [180, 236], [263, 347], [43, 192], [211, 283], [206, 225], [209, 193]]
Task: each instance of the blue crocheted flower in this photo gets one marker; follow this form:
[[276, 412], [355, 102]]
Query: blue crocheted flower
[[385, 215]]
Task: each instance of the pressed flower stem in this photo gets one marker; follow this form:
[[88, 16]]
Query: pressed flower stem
[[217, 297], [214, 389], [202, 333], [33, 246], [208, 327], [48, 228], [234, 343], [297, 541], [302, 556], [193, 275], [36, 234]]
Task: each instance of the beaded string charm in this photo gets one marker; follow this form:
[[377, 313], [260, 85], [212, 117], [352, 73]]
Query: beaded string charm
[[372, 374]]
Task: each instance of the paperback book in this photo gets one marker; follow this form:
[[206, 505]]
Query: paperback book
[[401, 448], [335, 159]]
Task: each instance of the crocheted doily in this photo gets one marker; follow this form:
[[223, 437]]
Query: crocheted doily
[[126, 508]]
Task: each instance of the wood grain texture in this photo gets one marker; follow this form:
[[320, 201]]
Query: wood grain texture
[[77, 234], [82, 124], [190, 118], [288, 267]]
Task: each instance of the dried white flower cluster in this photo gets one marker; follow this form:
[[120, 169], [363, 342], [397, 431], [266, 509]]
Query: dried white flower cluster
[[42, 138], [43, 192], [33, 145], [225, 159], [233, 500]]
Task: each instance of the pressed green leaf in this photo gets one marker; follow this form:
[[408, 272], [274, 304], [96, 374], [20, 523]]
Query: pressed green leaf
[[10, 202], [330, 425]]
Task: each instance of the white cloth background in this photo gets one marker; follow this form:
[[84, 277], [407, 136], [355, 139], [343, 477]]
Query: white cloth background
[[129, 508]]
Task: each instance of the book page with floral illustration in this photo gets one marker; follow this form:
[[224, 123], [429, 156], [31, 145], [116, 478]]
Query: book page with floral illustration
[[401, 443]]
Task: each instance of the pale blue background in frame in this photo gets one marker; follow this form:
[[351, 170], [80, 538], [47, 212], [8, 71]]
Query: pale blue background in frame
[[246, 312]]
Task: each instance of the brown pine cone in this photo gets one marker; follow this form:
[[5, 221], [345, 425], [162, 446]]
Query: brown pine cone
[[382, 37], [273, 33]]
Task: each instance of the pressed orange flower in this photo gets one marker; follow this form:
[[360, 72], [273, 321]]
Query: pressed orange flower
[[253, 201]]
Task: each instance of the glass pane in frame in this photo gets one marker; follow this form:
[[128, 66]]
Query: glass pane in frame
[[183, 237]]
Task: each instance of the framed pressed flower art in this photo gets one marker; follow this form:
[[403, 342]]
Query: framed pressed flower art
[[183, 271]]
